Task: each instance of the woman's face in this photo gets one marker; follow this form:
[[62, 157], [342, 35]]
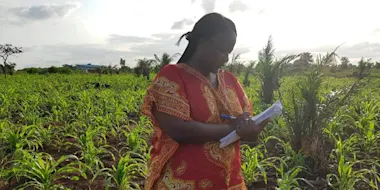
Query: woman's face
[[214, 52]]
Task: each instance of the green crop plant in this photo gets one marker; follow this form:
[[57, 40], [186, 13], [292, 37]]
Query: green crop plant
[[14, 137], [328, 118], [90, 153], [43, 171]]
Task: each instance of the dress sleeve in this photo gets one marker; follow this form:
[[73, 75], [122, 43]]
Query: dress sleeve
[[168, 94]]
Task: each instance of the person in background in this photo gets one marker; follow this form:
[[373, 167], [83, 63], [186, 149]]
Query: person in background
[[185, 102]]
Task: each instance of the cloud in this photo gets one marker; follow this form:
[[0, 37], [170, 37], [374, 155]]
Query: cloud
[[119, 39], [167, 44], [42, 12], [103, 54], [182, 24], [241, 50], [377, 30], [208, 5], [262, 11], [355, 51], [237, 5]]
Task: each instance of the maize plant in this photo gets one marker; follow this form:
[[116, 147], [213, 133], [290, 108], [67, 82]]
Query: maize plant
[[56, 129]]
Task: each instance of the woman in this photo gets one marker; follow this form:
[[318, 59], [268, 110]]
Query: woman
[[185, 102]]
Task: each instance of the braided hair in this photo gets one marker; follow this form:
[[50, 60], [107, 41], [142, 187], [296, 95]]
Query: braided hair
[[207, 27]]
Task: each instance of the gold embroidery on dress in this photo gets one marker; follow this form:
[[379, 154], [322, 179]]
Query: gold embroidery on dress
[[181, 168], [211, 103], [164, 93], [233, 101], [240, 186], [155, 167], [168, 181], [205, 183], [221, 157]]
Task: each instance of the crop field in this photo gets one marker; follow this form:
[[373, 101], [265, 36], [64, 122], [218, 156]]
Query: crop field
[[85, 131]]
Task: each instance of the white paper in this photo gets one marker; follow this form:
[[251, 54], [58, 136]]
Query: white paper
[[273, 111]]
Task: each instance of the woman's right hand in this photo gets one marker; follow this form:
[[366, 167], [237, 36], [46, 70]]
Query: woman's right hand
[[242, 117], [249, 131]]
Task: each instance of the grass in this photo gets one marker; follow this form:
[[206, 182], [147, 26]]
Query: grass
[[85, 131]]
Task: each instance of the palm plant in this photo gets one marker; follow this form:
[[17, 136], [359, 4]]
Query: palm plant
[[344, 62], [309, 112], [248, 71], [377, 65], [363, 65], [270, 71], [143, 67], [305, 60], [232, 66], [164, 60]]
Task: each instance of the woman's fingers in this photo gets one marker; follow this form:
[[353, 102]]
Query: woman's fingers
[[242, 128], [244, 115]]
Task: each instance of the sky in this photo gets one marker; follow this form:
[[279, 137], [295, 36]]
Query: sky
[[57, 32]]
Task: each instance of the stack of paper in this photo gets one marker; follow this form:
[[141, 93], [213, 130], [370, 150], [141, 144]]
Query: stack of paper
[[271, 112]]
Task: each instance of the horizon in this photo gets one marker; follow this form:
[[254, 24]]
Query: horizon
[[99, 32]]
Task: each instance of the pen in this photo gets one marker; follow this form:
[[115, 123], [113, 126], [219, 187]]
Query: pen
[[227, 116]]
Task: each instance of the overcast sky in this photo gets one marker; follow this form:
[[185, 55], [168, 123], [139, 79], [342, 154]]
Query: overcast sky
[[56, 32]]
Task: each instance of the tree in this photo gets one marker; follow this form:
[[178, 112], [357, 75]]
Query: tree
[[377, 65], [370, 65], [164, 60], [6, 51], [270, 71], [10, 68], [239, 67], [143, 67], [233, 65], [248, 71], [122, 62], [344, 62], [305, 60], [363, 65]]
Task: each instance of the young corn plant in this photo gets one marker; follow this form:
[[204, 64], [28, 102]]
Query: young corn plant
[[90, 153], [45, 135], [44, 172], [288, 180], [134, 140], [131, 170], [124, 176], [362, 119], [347, 175], [14, 137], [255, 165], [289, 156]]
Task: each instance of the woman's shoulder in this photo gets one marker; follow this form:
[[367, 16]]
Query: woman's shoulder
[[228, 75], [169, 69]]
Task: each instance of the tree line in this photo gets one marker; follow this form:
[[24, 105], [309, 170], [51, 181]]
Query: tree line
[[266, 65]]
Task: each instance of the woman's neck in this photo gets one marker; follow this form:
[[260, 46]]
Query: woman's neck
[[195, 64], [212, 77]]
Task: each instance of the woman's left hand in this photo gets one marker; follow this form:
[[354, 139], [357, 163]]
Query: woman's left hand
[[249, 131]]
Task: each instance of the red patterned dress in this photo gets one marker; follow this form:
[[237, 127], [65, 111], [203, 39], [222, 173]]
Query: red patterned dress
[[181, 91]]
